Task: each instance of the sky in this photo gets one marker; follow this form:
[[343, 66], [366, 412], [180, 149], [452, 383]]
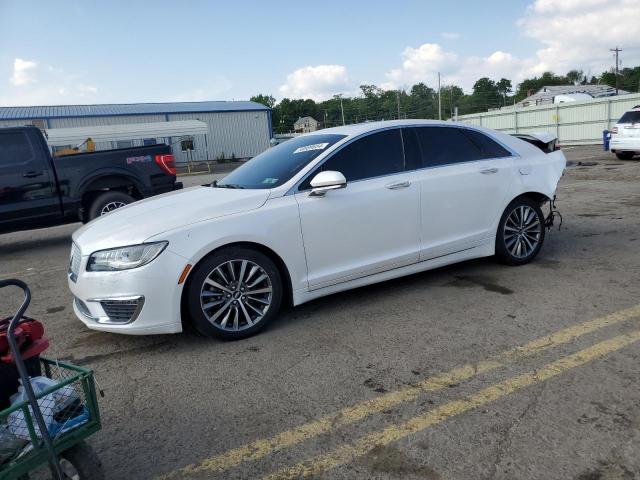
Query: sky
[[87, 51]]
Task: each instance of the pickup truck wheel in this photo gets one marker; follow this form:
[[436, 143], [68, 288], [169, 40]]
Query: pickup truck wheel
[[107, 202], [624, 155], [234, 293], [520, 232]]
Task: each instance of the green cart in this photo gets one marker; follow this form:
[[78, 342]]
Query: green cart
[[49, 421]]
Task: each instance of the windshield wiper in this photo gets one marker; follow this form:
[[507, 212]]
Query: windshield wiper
[[215, 184]]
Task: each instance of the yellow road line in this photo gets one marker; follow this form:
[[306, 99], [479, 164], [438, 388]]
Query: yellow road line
[[262, 447], [347, 453]]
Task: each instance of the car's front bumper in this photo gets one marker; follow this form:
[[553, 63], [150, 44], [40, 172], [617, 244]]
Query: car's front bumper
[[149, 296]]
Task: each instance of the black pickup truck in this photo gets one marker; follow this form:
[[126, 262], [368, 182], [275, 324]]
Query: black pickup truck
[[38, 190]]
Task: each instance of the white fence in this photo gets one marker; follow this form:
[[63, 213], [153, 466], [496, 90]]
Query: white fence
[[575, 123]]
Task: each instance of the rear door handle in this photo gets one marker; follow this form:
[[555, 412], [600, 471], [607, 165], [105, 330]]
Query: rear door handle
[[396, 186], [489, 171], [32, 174]]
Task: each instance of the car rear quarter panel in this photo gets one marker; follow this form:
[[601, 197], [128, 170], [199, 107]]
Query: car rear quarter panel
[[541, 172]]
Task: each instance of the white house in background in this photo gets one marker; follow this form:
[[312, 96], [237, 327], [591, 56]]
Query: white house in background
[[305, 125], [568, 93]]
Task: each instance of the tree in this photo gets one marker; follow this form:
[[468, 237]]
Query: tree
[[504, 87], [421, 101], [486, 93], [371, 91], [628, 79], [575, 76], [532, 85], [266, 100]]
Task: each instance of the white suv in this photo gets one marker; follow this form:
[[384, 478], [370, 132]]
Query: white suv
[[625, 136]]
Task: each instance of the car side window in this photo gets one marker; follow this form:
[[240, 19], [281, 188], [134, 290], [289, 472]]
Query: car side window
[[15, 149], [372, 156], [446, 146], [489, 147]]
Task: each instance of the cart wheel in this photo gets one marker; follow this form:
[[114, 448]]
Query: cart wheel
[[80, 462]]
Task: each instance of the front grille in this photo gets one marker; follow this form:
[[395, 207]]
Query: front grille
[[122, 311], [74, 262], [82, 307]]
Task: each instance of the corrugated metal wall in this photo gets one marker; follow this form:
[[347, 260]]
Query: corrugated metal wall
[[244, 134], [577, 123]]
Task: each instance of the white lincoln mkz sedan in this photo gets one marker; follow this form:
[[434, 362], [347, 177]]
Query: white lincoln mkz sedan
[[327, 211]]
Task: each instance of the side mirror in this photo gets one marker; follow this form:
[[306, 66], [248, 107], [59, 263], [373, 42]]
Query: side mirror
[[325, 181]]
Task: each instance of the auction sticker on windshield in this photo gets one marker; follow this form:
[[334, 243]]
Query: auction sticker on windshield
[[315, 146]]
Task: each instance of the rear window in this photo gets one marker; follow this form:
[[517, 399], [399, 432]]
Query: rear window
[[15, 149], [630, 117], [489, 148], [446, 146]]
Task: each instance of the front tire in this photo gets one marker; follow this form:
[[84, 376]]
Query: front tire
[[234, 293], [107, 202], [520, 232], [624, 155]]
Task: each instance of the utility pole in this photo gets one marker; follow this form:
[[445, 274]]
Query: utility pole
[[439, 99], [398, 97], [617, 50], [341, 108]]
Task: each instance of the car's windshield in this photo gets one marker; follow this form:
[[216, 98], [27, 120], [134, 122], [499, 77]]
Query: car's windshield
[[279, 164], [630, 117]]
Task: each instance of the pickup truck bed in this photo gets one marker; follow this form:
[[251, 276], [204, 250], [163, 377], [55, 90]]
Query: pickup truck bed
[[38, 190]]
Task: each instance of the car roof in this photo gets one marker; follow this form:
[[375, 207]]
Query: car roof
[[516, 145], [359, 128]]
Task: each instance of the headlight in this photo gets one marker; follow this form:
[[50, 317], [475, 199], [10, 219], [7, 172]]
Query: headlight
[[124, 258]]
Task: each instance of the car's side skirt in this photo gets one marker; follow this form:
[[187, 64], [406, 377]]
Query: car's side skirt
[[487, 249]]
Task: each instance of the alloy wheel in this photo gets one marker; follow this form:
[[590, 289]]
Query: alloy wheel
[[236, 295], [111, 206], [522, 231]]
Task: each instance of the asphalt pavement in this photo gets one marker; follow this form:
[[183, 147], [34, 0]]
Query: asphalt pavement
[[473, 371]]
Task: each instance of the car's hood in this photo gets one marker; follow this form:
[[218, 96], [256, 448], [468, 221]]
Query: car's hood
[[137, 222]]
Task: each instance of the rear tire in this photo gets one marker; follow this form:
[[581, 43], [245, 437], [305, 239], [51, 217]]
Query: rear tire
[[234, 293], [625, 155], [107, 202], [81, 462], [520, 232]]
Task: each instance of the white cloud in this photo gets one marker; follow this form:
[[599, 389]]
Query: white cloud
[[572, 34], [421, 64], [30, 84], [578, 33], [497, 65], [23, 72], [316, 82], [554, 6], [450, 35]]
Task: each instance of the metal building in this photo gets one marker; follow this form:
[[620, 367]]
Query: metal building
[[236, 129]]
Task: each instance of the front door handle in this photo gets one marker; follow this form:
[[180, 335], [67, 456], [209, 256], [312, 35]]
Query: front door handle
[[32, 174], [489, 171], [397, 185]]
